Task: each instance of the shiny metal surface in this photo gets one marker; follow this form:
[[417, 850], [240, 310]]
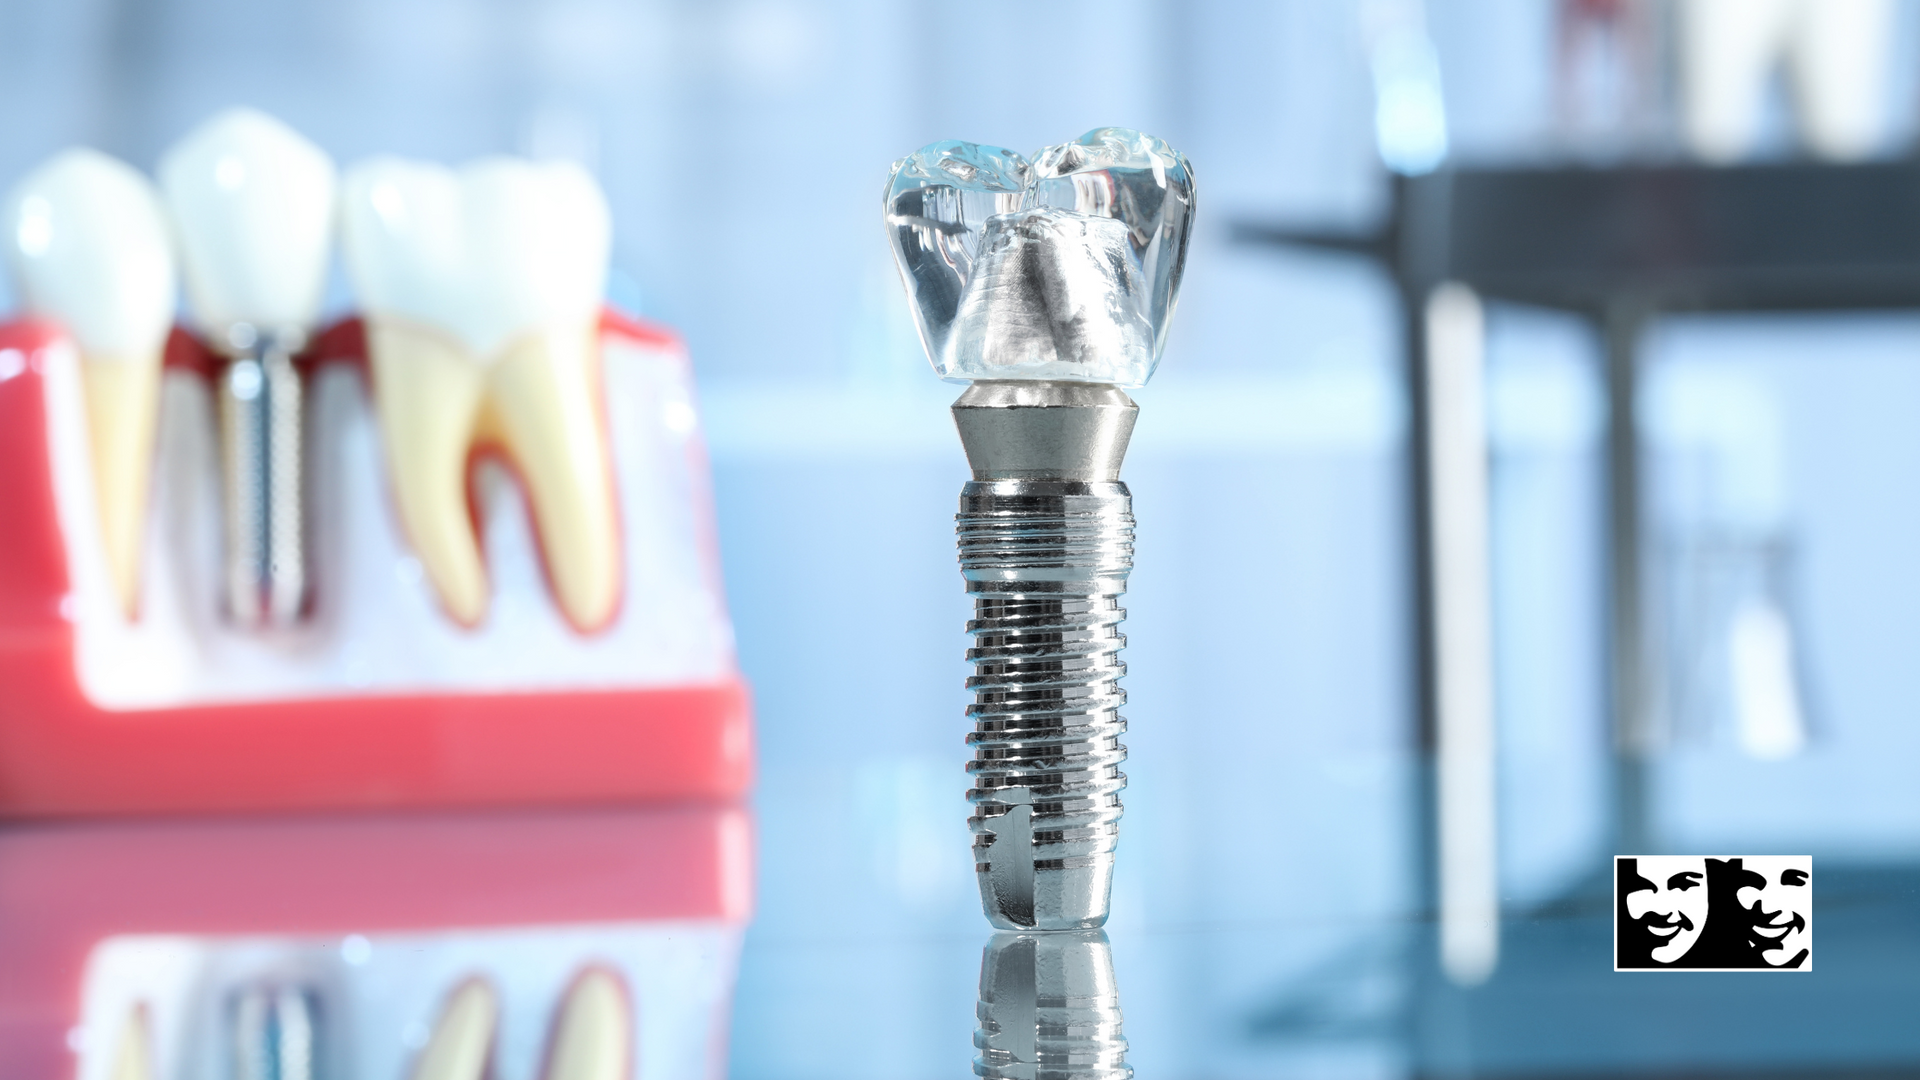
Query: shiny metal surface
[[274, 1034], [1049, 1009], [1026, 430], [261, 407], [1053, 291], [1046, 561]]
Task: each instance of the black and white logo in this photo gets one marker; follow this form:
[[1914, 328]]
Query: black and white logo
[[1713, 913]]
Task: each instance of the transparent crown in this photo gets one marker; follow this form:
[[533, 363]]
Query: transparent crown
[[1064, 268]]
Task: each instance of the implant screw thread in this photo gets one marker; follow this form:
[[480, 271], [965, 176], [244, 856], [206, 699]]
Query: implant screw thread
[[1046, 562], [261, 404]]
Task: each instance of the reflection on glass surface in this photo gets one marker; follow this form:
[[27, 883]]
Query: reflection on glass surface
[[554, 944], [1049, 1009], [273, 1034]]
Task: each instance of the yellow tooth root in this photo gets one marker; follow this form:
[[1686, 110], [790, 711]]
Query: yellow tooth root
[[539, 400], [593, 1035], [123, 408], [133, 1059], [427, 392], [462, 1039], [544, 401]]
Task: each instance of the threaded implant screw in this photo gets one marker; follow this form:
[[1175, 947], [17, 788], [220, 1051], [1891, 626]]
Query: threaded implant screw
[[1046, 562], [261, 404]]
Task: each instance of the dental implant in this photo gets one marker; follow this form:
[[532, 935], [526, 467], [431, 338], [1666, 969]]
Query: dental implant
[[1048, 285], [261, 404], [252, 204]]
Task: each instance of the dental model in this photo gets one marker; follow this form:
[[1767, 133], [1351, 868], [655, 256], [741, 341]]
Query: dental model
[[1835, 50], [1049, 286], [252, 204], [91, 251], [481, 291]]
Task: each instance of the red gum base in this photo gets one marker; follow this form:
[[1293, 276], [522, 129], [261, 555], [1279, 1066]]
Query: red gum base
[[62, 755]]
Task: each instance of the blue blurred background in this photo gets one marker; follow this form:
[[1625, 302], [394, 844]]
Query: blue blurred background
[[1269, 916]]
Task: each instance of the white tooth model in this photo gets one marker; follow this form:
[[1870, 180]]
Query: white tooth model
[[1836, 52], [89, 245], [481, 291], [253, 205], [253, 201]]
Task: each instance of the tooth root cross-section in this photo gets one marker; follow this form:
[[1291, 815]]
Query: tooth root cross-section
[[1045, 558]]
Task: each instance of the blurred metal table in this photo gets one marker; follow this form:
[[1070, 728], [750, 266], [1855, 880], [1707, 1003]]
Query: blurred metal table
[[1616, 246]]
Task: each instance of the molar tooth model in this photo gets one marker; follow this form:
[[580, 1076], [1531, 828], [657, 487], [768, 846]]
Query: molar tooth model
[[481, 290], [1836, 52], [1049, 286]]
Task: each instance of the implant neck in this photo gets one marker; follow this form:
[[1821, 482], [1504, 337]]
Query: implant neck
[[1044, 430], [249, 341]]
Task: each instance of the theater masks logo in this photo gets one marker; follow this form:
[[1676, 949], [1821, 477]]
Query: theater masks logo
[[1713, 913]]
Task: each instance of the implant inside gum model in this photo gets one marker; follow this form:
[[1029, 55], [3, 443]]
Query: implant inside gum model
[[252, 203], [1048, 285]]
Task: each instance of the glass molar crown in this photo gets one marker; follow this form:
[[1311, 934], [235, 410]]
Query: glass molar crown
[[1064, 268]]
